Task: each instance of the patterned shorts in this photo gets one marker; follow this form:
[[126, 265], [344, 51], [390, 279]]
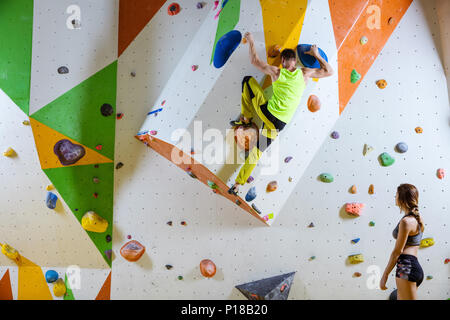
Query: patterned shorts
[[408, 268]]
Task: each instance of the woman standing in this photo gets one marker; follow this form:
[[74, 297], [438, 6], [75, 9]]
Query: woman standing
[[409, 231]]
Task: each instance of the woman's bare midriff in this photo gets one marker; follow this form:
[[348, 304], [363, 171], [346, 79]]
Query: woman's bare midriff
[[412, 250]]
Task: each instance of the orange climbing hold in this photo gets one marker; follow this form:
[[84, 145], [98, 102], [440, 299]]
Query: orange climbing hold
[[207, 268], [314, 103], [381, 84], [354, 208], [353, 189], [132, 251], [274, 51], [371, 189], [272, 186], [419, 130], [173, 9]]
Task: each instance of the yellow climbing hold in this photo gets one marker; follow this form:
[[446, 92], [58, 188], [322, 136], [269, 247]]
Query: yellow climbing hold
[[59, 288], [427, 242], [10, 252], [26, 122], [50, 187], [9, 152], [356, 258], [93, 222]]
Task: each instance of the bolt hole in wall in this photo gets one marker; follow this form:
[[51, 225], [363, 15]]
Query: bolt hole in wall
[[172, 237]]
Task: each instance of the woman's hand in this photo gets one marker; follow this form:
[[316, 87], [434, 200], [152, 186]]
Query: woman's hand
[[383, 282]]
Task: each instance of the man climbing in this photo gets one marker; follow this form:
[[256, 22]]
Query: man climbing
[[288, 84]]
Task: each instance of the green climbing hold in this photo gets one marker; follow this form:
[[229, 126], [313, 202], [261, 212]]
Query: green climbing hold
[[371, 223], [355, 76], [326, 177], [386, 159], [212, 185]]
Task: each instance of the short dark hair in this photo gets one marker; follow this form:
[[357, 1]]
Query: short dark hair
[[288, 54]]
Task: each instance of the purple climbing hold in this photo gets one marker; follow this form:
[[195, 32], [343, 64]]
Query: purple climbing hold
[[108, 238], [106, 110], [335, 135], [250, 179], [287, 159], [68, 153], [108, 254], [200, 5]]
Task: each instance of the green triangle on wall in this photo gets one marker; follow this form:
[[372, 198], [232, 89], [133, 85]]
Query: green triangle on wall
[[77, 115], [76, 187], [69, 294], [16, 36]]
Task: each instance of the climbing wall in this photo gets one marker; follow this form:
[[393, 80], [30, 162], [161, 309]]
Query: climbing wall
[[148, 56]]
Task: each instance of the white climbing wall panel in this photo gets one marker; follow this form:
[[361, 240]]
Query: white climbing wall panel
[[150, 191]]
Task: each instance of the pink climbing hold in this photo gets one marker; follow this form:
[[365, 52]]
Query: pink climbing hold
[[153, 132], [218, 14], [440, 173], [163, 103], [216, 4], [354, 208], [194, 67]]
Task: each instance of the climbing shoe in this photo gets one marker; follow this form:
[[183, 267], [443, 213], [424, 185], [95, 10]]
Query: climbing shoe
[[236, 123]]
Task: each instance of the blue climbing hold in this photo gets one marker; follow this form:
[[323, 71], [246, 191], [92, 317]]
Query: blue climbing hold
[[355, 240], [51, 276], [225, 47], [51, 200], [308, 60], [251, 194]]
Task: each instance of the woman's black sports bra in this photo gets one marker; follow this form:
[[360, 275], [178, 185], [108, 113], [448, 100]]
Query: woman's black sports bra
[[412, 240]]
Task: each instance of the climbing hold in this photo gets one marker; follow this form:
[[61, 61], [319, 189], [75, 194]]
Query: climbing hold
[[353, 189], [191, 174], [63, 70], [357, 274], [244, 41], [9, 152], [132, 251], [251, 194], [59, 288], [96, 166], [68, 153], [355, 76], [76, 24], [91, 221], [401, 147], [26, 122], [119, 165], [429, 277], [108, 254], [308, 60], [354, 208], [440, 173], [356, 258], [274, 51], [180, 277], [250, 179], [225, 47], [273, 288], [168, 266], [212, 185], [287, 159], [95, 180], [153, 132], [313, 103], [311, 225], [371, 223], [99, 147], [265, 218], [207, 268], [183, 223], [326, 177], [391, 20], [119, 116], [95, 194], [355, 240], [10, 252], [335, 135], [312, 258], [51, 200], [49, 187], [194, 68], [367, 149], [363, 40], [106, 110], [386, 159], [371, 189], [256, 208], [108, 238], [192, 151], [238, 202], [427, 242], [272, 186], [216, 4], [381, 83], [200, 5], [169, 223], [128, 237], [419, 130], [173, 9], [290, 179], [51, 276], [133, 74], [446, 261]]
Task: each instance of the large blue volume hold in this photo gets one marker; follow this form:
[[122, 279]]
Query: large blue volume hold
[[225, 47], [308, 60]]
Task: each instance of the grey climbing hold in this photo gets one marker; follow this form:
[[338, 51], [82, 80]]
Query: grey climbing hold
[[63, 70], [326, 177], [274, 288], [251, 194], [401, 147]]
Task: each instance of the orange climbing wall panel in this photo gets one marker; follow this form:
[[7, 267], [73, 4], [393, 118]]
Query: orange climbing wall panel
[[46, 138], [344, 14], [133, 17], [105, 291], [200, 171], [283, 22], [353, 55]]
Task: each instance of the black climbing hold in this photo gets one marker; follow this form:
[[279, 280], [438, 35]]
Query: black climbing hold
[[168, 266], [133, 74], [106, 110], [108, 238], [96, 166], [274, 288], [119, 165], [169, 223], [256, 209], [63, 70]]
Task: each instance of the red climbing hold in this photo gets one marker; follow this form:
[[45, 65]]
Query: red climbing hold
[[173, 9], [99, 147], [207, 268]]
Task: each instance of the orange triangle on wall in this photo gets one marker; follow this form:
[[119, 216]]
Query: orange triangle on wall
[[46, 138], [105, 291], [5, 287]]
